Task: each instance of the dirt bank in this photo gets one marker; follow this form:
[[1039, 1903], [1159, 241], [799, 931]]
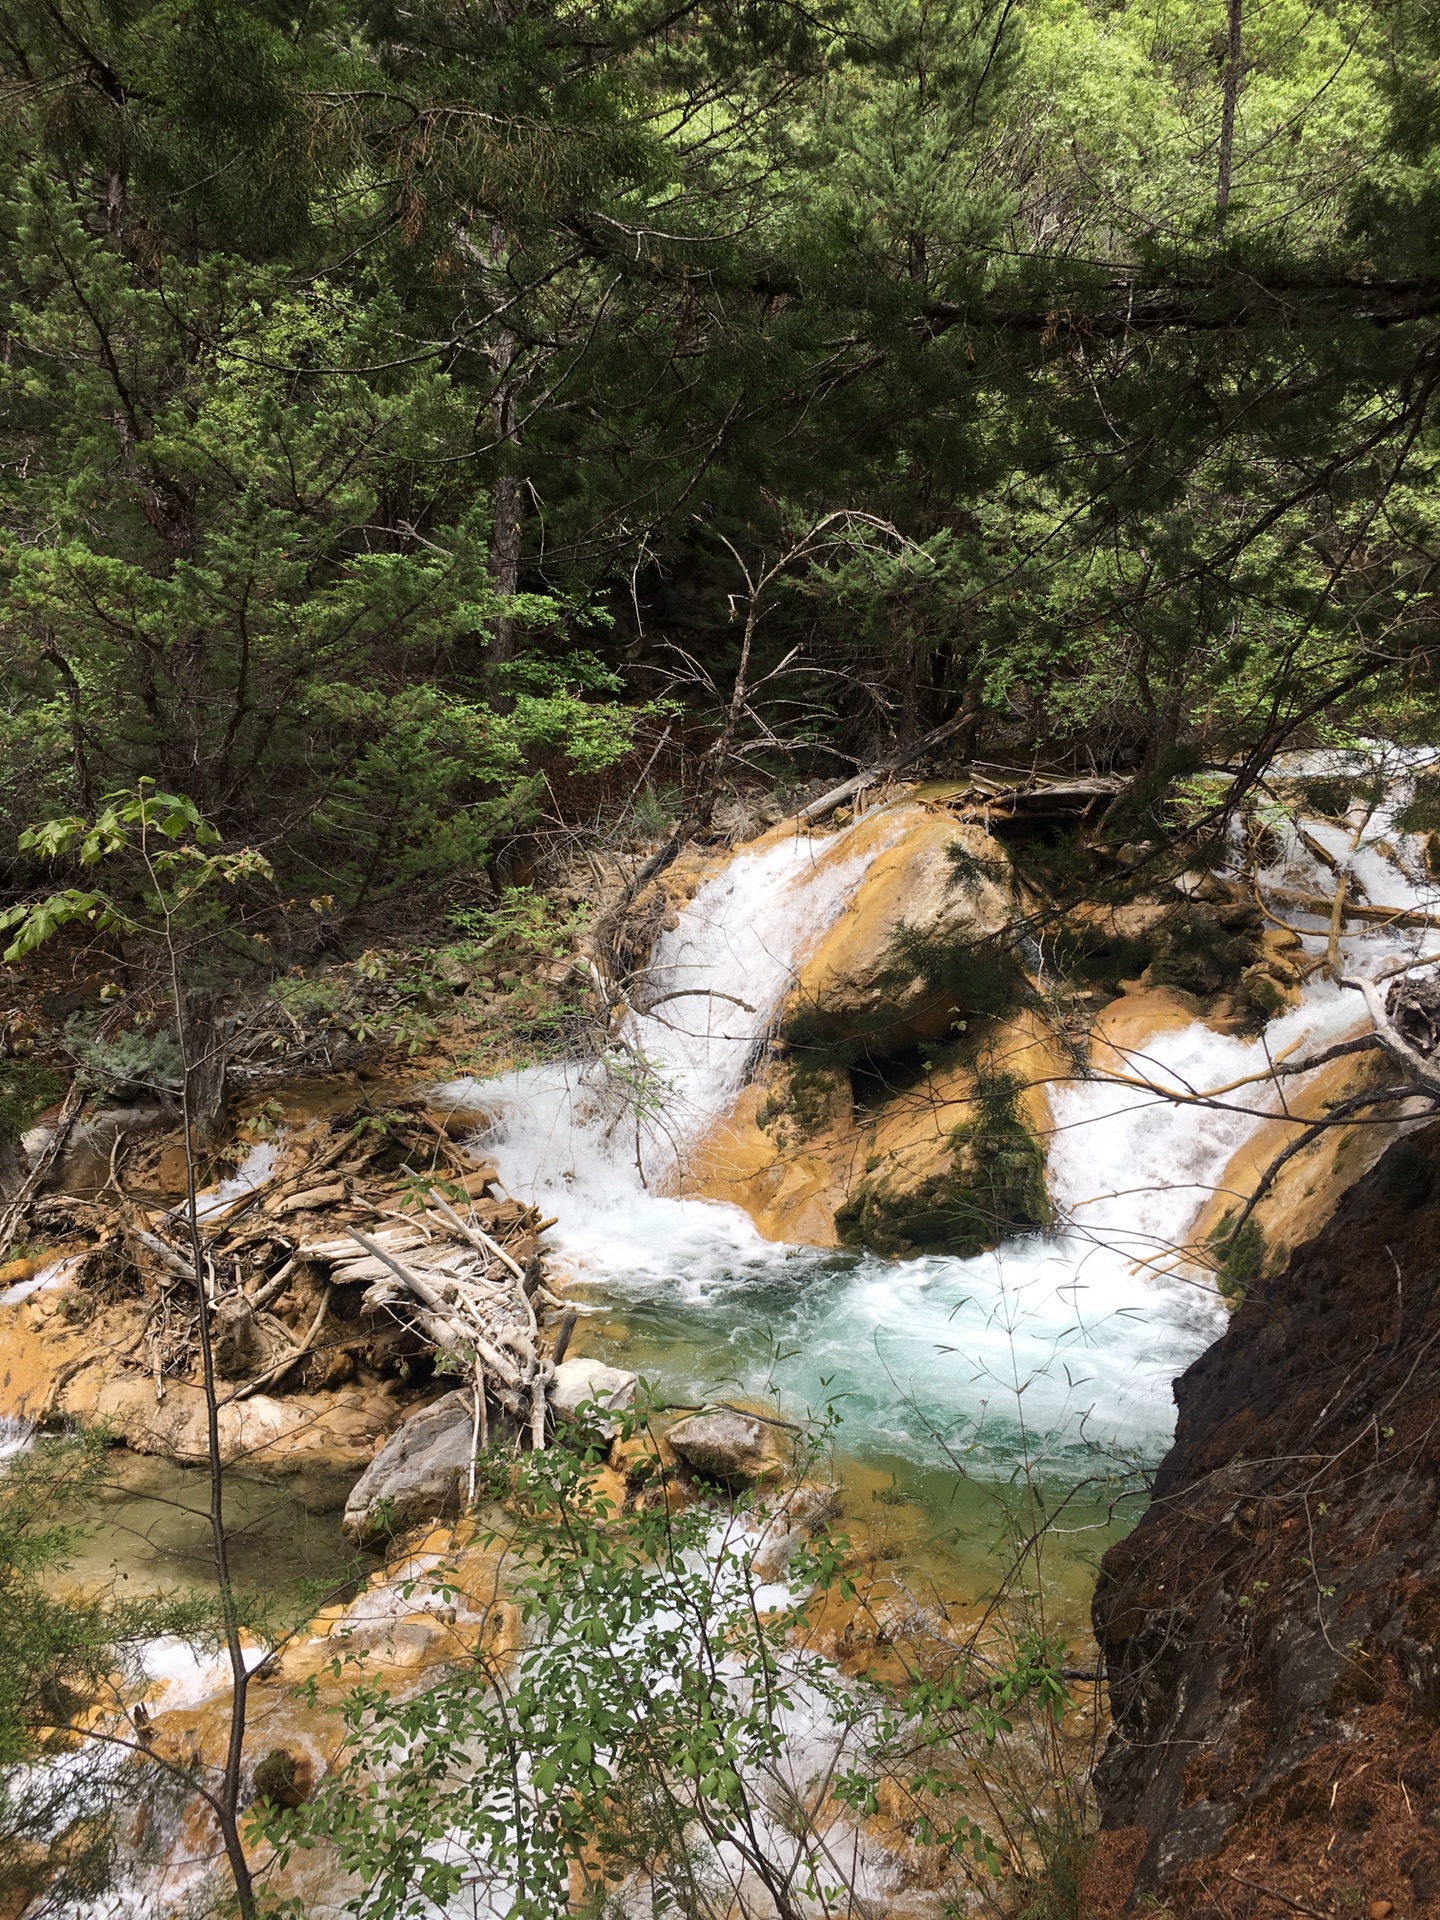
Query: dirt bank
[[1271, 1626]]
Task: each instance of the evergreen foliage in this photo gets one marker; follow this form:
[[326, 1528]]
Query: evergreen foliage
[[360, 366]]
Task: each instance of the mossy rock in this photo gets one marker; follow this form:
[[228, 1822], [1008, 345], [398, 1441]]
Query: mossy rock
[[1206, 952], [1093, 958], [1191, 947], [804, 1100], [993, 1188], [821, 1049], [925, 939]]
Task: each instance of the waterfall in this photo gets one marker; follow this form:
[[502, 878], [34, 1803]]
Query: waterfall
[[1053, 1342], [1052, 1349]]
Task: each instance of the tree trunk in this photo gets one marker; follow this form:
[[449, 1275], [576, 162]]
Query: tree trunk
[[505, 561], [505, 535], [207, 1047], [1227, 112]]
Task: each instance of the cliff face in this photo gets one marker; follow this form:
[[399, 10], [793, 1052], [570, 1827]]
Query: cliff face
[[1272, 1626]]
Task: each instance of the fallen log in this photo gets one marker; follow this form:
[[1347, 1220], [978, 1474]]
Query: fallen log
[[440, 1309], [892, 763], [477, 1236], [1321, 908]]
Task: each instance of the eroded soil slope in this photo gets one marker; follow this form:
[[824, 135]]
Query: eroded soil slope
[[1271, 1626]]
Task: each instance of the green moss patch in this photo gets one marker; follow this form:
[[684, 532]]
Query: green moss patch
[[1193, 948], [1240, 1256], [1201, 951], [804, 1101], [993, 1188]]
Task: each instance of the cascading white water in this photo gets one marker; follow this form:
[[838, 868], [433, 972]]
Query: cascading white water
[[1052, 1343], [1046, 1347]]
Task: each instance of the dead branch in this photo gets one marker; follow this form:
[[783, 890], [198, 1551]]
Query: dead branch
[[1321, 908], [277, 1373], [19, 1207], [1426, 1071], [1336, 1116], [892, 763]]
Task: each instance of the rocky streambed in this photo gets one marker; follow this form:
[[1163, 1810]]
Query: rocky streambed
[[847, 1146]]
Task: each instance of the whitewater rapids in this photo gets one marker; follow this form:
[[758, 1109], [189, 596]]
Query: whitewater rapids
[[1047, 1349]]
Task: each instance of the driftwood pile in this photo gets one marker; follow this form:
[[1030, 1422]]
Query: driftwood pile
[[469, 1297], [374, 1248]]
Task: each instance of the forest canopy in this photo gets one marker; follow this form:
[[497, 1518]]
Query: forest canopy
[[397, 400]]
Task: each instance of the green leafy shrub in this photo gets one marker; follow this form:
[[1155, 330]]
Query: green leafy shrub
[[523, 924], [308, 997], [648, 1712], [132, 1061]]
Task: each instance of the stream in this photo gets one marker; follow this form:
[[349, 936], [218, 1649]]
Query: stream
[[1053, 1356], [947, 1385]]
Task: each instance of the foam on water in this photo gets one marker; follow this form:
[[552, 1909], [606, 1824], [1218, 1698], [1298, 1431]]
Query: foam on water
[[176, 1673], [254, 1170]]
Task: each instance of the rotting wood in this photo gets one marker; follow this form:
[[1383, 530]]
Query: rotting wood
[[15, 1214], [278, 1372], [457, 1277]]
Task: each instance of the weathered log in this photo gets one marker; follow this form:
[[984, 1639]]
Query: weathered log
[[477, 1237], [428, 1297], [393, 1239], [892, 763], [1321, 908]]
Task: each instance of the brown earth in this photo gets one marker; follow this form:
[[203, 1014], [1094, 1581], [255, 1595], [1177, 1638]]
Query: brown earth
[[1271, 1629]]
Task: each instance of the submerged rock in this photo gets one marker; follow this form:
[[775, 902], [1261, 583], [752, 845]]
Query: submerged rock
[[735, 1448], [419, 1474]]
